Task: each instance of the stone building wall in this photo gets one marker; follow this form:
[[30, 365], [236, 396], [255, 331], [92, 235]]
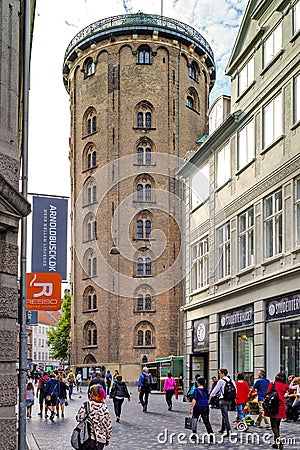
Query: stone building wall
[[114, 92]]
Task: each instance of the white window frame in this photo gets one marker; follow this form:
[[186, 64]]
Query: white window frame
[[246, 76], [296, 101], [297, 210], [223, 250], [199, 264], [246, 238], [273, 224], [200, 186], [272, 45], [246, 145], [272, 120], [223, 165]]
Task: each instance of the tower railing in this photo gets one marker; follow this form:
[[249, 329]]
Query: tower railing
[[147, 21]]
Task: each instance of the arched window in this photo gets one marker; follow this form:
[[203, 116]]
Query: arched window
[[144, 153], [143, 228], [147, 228], [143, 302], [148, 119], [90, 192], [140, 120], [89, 299], [140, 266], [148, 156], [140, 337], [144, 115], [89, 228], [144, 188], [90, 334], [89, 68], [192, 99], [144, 55], [89, 124], [94, 124], [148, 337], [90, 263], [90, 157], [148, 192], [140, 302], [140, 229], [140, 189], [94, 193], [193, 71], [148, 301], [144, 266], [190, 102], [144, 334]]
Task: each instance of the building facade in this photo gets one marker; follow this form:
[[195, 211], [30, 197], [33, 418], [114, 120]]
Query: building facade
[[139, 87], [12, 208], [242, 307], [41, 351]]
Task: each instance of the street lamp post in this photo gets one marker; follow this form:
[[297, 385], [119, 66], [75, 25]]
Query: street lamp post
[[23, 250]]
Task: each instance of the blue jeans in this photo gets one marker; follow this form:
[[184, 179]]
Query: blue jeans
[[239, 409]]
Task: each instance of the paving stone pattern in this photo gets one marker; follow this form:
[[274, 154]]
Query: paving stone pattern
[[152, 430]]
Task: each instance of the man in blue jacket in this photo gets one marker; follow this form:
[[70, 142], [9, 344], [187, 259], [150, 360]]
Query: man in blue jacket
[[144, 387], [52, 393], [261, 385]]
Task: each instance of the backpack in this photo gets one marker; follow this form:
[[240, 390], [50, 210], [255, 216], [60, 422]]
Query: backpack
[[81, 435], [229, 391], [147, 381], [43, 386], [271, 401]]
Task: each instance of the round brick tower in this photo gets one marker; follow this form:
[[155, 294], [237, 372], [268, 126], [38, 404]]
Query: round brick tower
[[139, 87]]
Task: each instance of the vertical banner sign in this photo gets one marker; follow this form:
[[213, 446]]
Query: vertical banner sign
[[43, 291], [49, 235]]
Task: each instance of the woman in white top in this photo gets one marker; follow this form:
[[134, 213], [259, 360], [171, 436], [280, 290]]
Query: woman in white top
[[295, 384]]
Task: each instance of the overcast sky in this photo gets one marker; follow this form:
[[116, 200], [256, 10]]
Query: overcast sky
[[56, 23]]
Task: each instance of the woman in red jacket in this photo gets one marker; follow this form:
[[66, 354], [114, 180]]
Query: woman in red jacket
[[281, 388], [242, 394]]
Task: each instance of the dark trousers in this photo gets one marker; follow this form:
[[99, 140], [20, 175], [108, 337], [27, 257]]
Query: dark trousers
[[169, 395], [203, 411], [224, 406], [295, 410], [275, 424], [144, 395], [118, 406]]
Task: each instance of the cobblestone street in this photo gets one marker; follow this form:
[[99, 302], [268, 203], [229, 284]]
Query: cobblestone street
[[156, 429]]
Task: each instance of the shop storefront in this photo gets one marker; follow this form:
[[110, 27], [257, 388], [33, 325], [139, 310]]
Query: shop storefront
[[283, 334], [199, 356], [236, 341]]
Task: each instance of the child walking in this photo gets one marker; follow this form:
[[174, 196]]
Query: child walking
[[29, 398]]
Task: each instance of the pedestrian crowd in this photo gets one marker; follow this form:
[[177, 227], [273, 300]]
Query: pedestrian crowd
[[227, 393], [55, 388], [52, 392]]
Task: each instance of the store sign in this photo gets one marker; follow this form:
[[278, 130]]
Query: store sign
[[236, 318], [200, 334], [43, 291], [287, 306], [49, 235]]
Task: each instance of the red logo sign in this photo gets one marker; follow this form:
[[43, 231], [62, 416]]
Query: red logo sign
[[43, 291]]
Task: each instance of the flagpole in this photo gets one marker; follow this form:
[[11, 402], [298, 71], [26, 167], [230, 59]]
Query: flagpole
[[161, 7]]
